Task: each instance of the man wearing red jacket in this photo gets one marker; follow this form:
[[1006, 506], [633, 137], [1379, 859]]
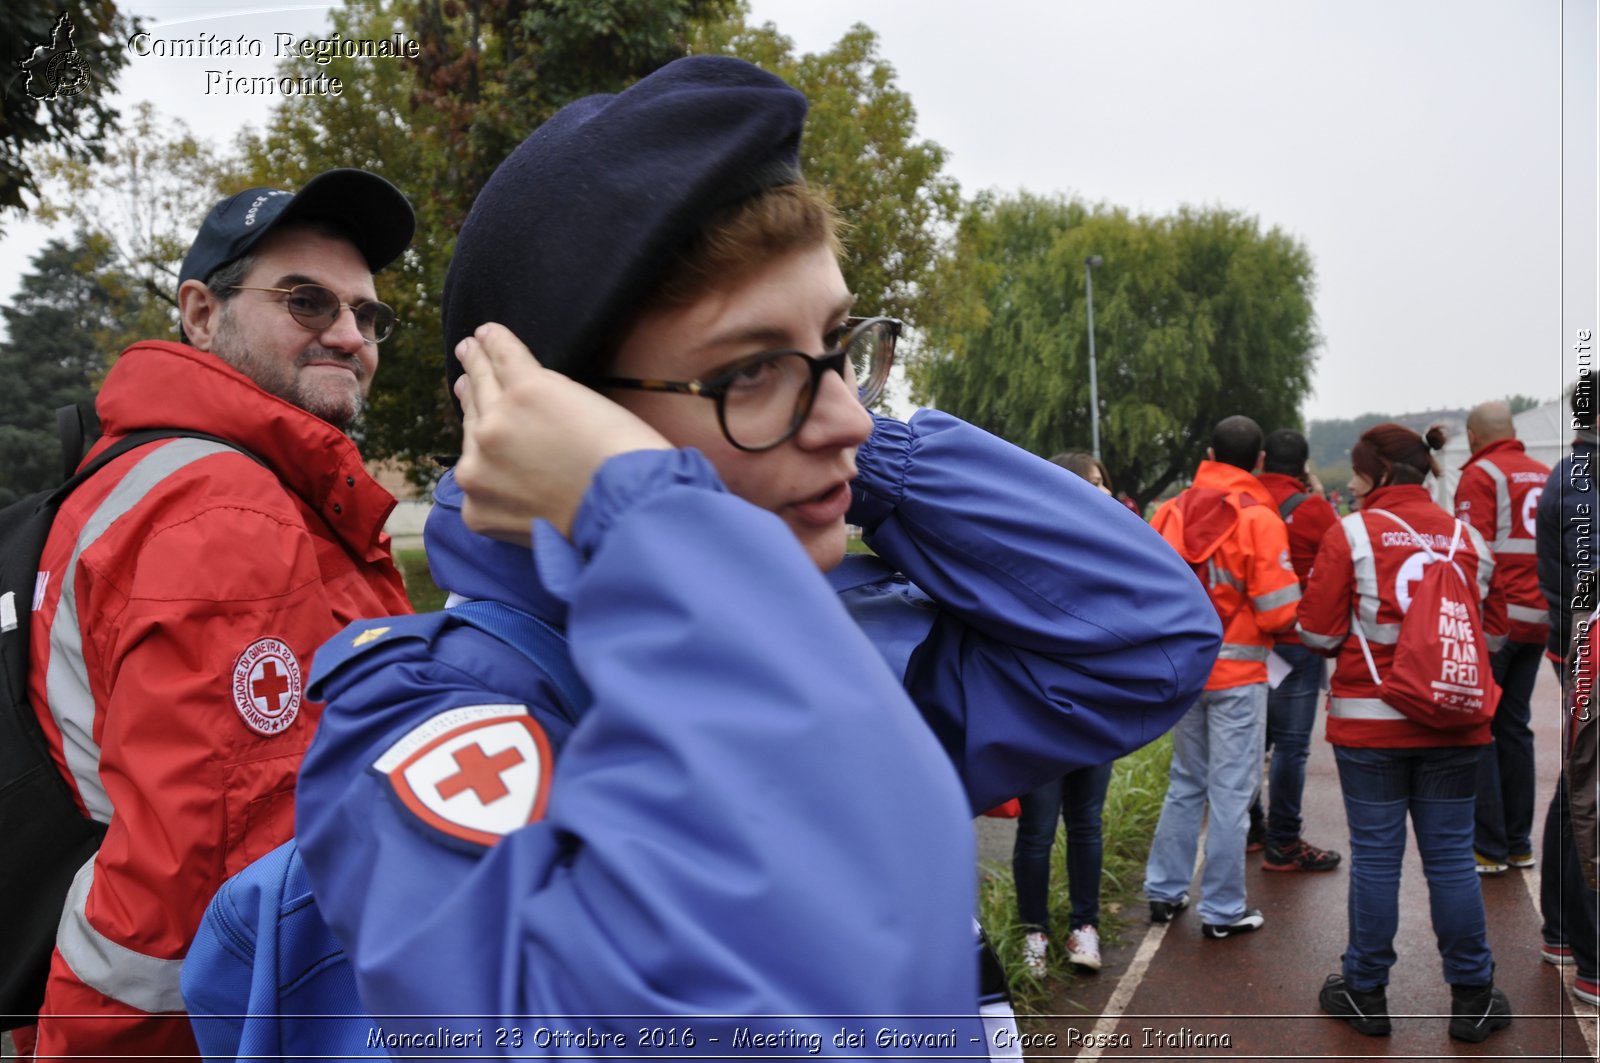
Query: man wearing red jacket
[[1292, 704], [185, 586], [1498, 494], [1227, 527]]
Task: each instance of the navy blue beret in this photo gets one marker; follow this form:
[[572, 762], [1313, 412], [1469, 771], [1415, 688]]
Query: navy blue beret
[[580, 222]]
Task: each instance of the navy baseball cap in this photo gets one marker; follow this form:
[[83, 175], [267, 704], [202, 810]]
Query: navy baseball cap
[[373, 213]]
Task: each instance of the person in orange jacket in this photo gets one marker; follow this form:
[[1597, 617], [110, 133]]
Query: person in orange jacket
[[1499, 495], [1227, 527]]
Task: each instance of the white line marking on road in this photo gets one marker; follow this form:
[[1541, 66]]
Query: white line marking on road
[[1584, 1013]]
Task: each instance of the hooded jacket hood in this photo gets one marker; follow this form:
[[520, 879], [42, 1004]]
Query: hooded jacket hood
[[1210, 509], [475, 566]]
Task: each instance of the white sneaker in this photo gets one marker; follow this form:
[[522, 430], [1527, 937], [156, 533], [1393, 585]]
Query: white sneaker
[[1083, 947], [1034, 947]]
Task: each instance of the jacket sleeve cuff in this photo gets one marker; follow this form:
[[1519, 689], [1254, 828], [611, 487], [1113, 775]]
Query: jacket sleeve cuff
[[632, 479], [621, 484], [881, 466]]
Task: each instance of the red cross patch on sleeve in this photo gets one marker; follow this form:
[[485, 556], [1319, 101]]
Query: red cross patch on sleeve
[[476, 773], [267, 687]]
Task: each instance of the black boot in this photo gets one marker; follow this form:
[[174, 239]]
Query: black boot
[[1476, 1011], [1367, 1012]]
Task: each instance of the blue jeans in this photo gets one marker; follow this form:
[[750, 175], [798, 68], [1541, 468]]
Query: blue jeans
[[1077, 798], [1436, 787], [1505, 773], [1216, 760], [1291, 713]]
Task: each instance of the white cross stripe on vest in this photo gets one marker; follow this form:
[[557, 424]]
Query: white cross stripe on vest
[[149, 983], [1366, 576], [66, 677], [1503, 542]]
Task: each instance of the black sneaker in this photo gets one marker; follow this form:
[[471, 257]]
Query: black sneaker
[[1249, 921], [1367, 1012], [1476, 1011], [1301, 856], [1164, 911]]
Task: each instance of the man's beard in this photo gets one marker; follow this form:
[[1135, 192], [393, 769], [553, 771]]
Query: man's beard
[[275, 378]]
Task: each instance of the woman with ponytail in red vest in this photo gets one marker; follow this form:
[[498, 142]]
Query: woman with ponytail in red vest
[[1391, 765]]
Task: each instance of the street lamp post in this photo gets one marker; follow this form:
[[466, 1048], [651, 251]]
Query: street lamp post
[[1089, 265]]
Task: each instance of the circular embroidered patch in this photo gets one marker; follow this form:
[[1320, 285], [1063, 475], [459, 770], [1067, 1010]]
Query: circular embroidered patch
[[266, 686]]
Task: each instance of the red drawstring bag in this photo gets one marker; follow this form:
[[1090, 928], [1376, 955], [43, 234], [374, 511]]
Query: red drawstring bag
[[1440, 676]]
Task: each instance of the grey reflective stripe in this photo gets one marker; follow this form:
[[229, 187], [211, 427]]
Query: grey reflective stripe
[[1527, 614], [1496, 643], [1267, 602], [1238, 651], [1216, 576], [66, 677], [1386, 634], [1366, 573], [1502, 503], [1366, 570], [1516, 546], [1321, 642], [1485, 560], [1362, 709], [132, 978]]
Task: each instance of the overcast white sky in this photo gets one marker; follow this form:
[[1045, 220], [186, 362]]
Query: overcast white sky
[[1437, 157]]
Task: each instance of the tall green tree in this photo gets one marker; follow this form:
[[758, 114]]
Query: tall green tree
[[861, 147], [1198, 315], [62, 99], [143, 203], [58, 327], [489, 72]]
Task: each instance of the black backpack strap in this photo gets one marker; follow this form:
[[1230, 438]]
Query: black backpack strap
[[135, 440], [1292, 503], [77, 425]]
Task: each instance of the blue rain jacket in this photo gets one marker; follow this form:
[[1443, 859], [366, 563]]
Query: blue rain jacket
[[752, 840]]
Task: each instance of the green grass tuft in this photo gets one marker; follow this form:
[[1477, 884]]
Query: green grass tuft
[[425, 595], [1133, 804]]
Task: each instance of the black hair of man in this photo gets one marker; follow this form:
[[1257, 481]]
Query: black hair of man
[[1583, 398], [1287, 451], [1236, 441]]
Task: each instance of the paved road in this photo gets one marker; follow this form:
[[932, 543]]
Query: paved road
[[1259, 991]]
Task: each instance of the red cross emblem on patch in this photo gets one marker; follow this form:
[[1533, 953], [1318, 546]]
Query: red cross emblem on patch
[[475, 773], [267, 686]]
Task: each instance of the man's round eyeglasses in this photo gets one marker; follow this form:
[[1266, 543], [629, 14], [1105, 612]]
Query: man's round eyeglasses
[[317, 308], [763, 400]]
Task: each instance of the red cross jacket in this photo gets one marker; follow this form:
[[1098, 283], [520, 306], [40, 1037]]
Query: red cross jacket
[[1307, 523], [1364, 573], [185, 588], [1499, 494]]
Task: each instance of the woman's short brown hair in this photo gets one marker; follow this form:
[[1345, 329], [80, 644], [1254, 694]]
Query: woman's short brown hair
[[746, 236]]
